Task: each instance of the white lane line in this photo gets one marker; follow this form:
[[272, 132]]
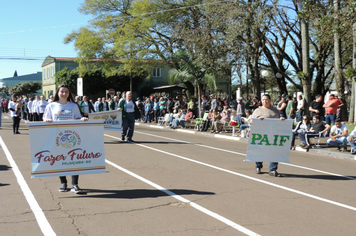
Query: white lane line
[[31, 200], [243, 154], [182, 199], [246, 176]]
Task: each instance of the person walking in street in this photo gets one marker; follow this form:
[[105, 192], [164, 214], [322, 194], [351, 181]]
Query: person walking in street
[[267, 111], [130, 112], [15, 113], [63, 107], [40, 108], [86, 107]]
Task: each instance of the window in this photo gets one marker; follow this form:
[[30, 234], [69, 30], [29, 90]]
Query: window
[[52, 71], [47, 72], [156, 72]]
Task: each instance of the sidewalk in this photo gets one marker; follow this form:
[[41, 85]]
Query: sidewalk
[[323, 149]]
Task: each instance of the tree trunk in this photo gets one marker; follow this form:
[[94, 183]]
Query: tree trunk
[[257, 76], [199, 98], [352, 101], [306, 81]]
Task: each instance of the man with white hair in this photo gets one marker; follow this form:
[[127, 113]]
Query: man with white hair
[[96, 105]]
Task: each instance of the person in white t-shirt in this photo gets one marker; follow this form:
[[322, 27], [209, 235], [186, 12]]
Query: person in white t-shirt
[[35, 116], [40, 108], [338, 135], [63, 107]]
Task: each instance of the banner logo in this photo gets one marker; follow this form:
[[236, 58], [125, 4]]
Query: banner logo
[[68, 139]]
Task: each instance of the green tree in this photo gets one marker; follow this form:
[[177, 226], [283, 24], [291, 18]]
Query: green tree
[[189, 71], [95, 81], [27, 89]]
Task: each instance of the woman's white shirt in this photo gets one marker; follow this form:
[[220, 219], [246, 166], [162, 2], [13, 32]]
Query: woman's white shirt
[[12, 105], [57, 112], [86, 107], [41, 106]]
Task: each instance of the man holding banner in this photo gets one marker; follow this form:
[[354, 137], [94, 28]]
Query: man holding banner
[[269, 137]]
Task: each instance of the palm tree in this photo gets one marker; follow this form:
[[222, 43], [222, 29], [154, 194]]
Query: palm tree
[[189, 71]]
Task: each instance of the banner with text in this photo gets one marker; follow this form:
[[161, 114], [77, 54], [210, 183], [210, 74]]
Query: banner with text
[[67, 148], [269, 140], [112, 119]]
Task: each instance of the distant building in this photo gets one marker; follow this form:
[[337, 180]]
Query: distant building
[[159, 76], [36, 77], [50, 66]]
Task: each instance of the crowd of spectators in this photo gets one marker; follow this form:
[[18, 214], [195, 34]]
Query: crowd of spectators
[[216, 114]]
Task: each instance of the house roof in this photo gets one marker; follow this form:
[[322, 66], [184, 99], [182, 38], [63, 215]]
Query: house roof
[[35, 76], [169, 87], [49, 59]]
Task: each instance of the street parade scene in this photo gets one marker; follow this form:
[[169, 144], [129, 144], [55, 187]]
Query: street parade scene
[[178, 118]]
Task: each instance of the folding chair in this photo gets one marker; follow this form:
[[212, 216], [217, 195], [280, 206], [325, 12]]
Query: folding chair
[[321, 135], [200, 121]]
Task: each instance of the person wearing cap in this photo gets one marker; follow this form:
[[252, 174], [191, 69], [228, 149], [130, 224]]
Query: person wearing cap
[[331, 109]]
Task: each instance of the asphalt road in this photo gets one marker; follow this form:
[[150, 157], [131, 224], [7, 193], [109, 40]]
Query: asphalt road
[[175, 183]]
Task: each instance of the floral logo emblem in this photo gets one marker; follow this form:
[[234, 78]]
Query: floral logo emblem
[[68, 140]]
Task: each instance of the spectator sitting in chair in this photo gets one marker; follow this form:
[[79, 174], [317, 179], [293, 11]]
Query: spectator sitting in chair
[[318, 128], [338, 135], [179, 118], [302, 128], [352, 141]]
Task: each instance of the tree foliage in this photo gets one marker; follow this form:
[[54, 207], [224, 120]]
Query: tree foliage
[[95, 81], [27, 89]]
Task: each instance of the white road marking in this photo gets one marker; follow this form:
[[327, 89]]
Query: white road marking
[[243, 154], [31, 200], [182, 199], [246, 176]]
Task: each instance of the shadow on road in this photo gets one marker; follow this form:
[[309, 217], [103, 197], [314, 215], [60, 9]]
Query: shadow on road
[[138, 193], [322, 177], [1, 185], [4, 167], [143, 142]]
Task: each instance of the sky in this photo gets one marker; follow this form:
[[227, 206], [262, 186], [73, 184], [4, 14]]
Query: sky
[[35, 29]]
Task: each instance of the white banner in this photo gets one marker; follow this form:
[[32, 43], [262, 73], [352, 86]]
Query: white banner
[[269, 140], [67, 148], [112, 119]]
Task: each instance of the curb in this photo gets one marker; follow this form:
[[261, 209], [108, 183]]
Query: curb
[[299, 149]]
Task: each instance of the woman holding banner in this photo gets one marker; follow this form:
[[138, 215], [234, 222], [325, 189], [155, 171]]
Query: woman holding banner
[[266, 111], [63, 107]]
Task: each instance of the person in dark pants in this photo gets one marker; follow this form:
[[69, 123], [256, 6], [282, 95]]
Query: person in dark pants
[[15, 110], [64, 102], [130, 112], [267, 111]]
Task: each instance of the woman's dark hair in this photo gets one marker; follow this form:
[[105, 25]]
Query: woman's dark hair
[[70, 97], [249, 112]]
